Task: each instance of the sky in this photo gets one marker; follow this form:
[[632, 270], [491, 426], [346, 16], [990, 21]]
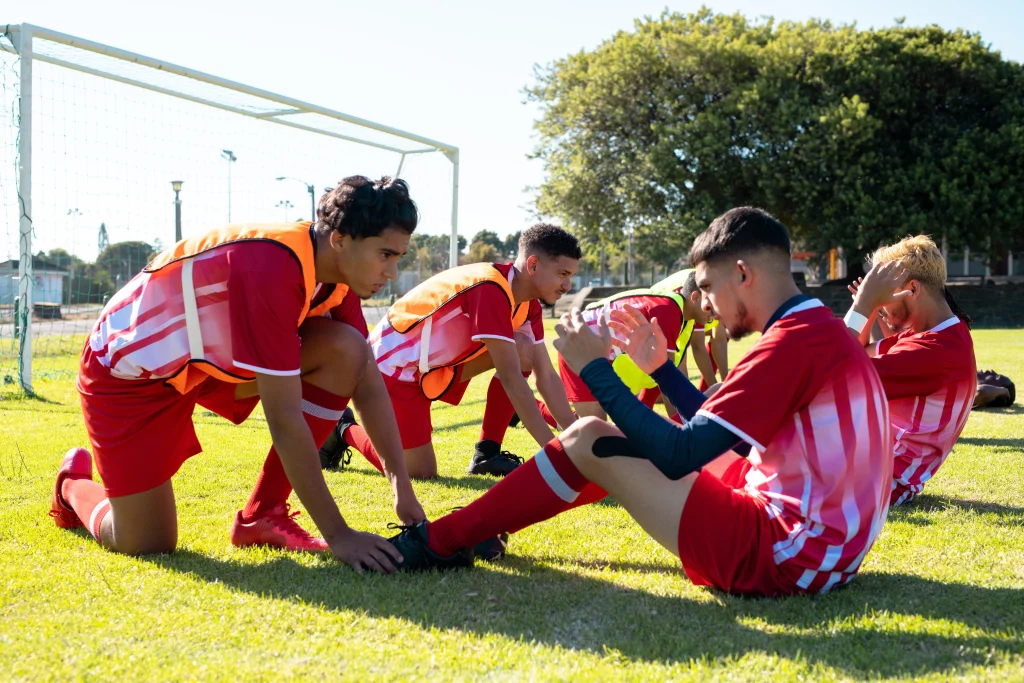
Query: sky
[[451, 71]]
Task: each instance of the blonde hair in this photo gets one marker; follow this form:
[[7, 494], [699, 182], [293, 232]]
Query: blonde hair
[[921, 257]]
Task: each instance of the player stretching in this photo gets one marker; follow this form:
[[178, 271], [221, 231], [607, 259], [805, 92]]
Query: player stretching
[[463, 322], [244, 313], [798, 515], [926, 360]]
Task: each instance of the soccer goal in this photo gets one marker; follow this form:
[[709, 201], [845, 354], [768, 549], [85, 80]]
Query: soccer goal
[[107, 156]]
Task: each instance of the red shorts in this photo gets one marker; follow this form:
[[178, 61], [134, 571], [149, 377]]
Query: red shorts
[[141, 430], [900, 495], [576, 389], [725, 538], [412, 408]]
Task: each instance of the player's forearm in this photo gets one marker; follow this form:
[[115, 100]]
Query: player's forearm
[[675, 450], [702, 359], [521, 397], [553, 392], [720, 353], [378, 416], [294, 445], [859, 316]]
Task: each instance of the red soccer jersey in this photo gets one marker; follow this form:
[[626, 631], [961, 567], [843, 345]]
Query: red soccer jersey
[[460, 325], [929, 378], [809, 403]]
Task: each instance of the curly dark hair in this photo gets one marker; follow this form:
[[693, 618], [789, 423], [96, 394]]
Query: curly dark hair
[[550, 240], [360, 208]]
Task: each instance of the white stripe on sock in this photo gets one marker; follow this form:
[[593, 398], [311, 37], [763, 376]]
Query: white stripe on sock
[[315, 410], [552, 478], [95, 519]]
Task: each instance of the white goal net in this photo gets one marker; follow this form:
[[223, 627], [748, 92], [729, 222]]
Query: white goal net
[[92, 139]]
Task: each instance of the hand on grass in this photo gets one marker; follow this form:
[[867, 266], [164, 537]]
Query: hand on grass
[[363, 551]]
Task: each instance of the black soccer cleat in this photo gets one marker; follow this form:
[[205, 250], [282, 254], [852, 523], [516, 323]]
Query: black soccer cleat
[[335, 453], [492, 549], [514, 421], [417, 556], [490, 459]]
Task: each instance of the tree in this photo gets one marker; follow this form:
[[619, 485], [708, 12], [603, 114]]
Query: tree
[[122, 261], [481, 251], [850, 137], [428, 254], [510, 247], [488, 237]]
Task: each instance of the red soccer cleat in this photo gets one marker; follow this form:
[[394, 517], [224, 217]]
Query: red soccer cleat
[[77, 464], [277, 529]]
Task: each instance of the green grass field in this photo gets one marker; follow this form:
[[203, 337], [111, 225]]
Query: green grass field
[[586, 596]]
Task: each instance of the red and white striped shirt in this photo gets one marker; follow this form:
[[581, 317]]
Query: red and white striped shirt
[[458, 327], [930, 378], [808, 401]]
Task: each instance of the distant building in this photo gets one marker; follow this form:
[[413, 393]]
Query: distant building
[[48, 286]]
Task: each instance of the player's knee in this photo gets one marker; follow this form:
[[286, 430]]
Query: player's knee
[[524, 345], [578, 440], [422, 471], [339, 348], [156, 544]]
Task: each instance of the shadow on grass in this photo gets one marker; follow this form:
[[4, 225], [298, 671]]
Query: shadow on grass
[[534, 602], [997, 444], [1015, 409], [917, 511]]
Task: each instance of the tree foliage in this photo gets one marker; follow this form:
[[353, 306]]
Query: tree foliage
[[851, 137]]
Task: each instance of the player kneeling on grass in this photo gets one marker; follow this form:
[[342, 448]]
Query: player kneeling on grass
[[798, 515], [244, 313], [461, 323], [925, 360]]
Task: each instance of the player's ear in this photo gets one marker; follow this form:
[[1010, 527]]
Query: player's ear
[[338, 241], [532, 262], [744, 271]]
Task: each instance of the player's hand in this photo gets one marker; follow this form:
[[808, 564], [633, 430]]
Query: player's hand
[[408, 509], [645, 343], [712, 390], [577, 343], [363, 551], [854, 286], [879, 286]]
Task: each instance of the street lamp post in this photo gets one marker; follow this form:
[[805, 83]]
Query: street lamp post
[[74, 213], [312, 195], [285, 204], [176, 186], [230, 157]]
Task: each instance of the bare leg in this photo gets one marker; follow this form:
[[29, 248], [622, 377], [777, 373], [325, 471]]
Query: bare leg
[[142, 523]]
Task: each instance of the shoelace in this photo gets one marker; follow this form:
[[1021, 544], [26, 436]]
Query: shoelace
[[511, 456], [287, 524], [401, 528], [346, 458]]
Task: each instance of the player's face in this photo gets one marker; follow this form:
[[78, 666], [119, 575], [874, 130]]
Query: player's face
[[366, 265], [551, 277], [721, 295]]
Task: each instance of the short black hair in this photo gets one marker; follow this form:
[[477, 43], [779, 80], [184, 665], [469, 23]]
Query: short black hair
[[740, 231], [550, 240], [690, 286], [360, 208]]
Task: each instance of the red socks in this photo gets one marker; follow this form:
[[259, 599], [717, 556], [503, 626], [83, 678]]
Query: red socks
[[546, 414], [322, 410], [89, 501], [539, 489], [498, 411], [356, 437]]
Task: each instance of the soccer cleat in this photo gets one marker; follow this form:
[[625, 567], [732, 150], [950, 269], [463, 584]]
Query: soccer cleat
[[77, 464], [335, 453], [492, 549], [277, 529], [490, 459], [417, 556], [514, 420]]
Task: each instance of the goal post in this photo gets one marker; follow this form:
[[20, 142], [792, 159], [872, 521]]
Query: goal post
[[107, 156]]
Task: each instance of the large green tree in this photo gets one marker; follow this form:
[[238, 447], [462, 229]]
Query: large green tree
[[851, 137]]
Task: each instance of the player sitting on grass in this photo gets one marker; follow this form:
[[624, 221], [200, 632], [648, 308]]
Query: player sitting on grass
[[799, 515], [463, 322], [238, 315], [926, 359]]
